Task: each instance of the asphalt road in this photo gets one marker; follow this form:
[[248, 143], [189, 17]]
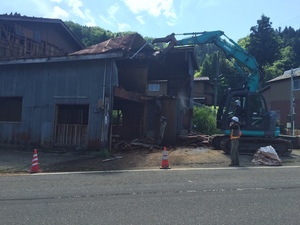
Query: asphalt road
[[245, 195]]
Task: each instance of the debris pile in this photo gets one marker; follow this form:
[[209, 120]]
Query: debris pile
[[194, 139], [136, 144], [266, 156]]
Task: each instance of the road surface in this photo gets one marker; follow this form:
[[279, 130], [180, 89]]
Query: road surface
[[245, 195]]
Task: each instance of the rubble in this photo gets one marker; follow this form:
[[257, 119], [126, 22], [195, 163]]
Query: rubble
[[113, 157], [136, 144], [194, 139], [266, 156]]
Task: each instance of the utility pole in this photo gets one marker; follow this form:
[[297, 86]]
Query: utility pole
[[217, 80], [292, 105]]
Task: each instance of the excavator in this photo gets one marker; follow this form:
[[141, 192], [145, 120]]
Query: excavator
[[258, 125]]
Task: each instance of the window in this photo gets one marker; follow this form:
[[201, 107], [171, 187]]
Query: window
[[296, 84], [257, 104], [154, 87], [73, 114], [11, 109]]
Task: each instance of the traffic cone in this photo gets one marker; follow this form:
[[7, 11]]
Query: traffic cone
[[165, 161], [35, 163]]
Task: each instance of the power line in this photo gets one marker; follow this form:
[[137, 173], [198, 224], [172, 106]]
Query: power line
[[293, 21]]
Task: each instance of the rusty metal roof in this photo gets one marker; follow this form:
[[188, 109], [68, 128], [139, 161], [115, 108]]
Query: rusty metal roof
[[127, 43]]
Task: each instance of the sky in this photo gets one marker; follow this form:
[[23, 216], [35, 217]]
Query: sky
[[159, 18]]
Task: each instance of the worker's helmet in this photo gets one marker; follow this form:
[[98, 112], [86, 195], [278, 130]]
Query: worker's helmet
[[238, 102], [235, 119]]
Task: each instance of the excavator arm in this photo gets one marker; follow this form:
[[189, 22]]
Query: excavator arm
[[231, 49]]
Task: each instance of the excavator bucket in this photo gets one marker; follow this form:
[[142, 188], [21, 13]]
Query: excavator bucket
[[168, 39]]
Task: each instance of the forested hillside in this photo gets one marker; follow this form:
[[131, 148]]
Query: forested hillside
[[92, 35]]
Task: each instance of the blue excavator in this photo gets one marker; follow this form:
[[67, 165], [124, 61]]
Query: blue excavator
[[258, 125]]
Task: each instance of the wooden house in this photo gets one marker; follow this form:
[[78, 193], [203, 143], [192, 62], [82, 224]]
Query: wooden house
[[23, 37], [85, 99]]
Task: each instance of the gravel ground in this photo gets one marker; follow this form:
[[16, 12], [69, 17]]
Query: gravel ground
[[17, 161]]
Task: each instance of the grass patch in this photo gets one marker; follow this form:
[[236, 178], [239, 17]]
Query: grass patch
[[103, 153]]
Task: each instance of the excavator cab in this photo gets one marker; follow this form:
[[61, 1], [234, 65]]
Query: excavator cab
[[250, 108]]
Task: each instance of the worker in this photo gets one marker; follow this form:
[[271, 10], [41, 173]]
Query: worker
[[238, 110], [235, 133]]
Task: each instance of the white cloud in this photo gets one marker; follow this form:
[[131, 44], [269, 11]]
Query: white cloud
[[57, 12], [140, 19], [123, 27], [153, 7], [38, 8], [77, 10], [57, 1], [208, 3], [91, 20], [105, 20], [91, 24], [112, 10], [75, 5], [171, 24]]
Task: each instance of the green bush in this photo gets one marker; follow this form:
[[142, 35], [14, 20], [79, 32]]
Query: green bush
[[204, 119]]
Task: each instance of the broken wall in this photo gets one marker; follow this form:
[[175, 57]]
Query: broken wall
[[133, 79]]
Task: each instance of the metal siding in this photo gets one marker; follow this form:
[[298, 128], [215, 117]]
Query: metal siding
[[280, 91], [280, 100], [45, 85]]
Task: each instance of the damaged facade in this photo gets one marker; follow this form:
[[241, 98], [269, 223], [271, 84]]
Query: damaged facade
[[203, 91], [23, 36], [94, 96]]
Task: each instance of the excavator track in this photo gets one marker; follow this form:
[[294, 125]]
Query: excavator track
[[249, 145]]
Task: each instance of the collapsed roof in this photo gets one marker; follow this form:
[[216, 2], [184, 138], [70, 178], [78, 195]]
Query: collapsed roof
[[127, 43]]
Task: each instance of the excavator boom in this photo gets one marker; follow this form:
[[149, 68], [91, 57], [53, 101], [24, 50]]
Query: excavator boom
[[231, 49]]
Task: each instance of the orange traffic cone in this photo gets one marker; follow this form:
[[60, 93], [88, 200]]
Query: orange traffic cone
[[165, 161], [35, 163]]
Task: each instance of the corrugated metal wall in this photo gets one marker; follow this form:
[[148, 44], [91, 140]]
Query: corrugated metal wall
[[44, 86]]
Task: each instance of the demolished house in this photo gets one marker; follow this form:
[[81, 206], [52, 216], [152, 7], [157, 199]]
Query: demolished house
[[97, 96], [23, 36]]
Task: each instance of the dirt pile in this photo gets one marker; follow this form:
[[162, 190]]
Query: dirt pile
[[148, 159], [13, 161]]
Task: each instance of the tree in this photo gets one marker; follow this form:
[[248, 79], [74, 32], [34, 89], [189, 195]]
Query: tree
[[244, 42], [291, 37], [89, 35], [204, 120], [287, 61], [208, 68], [263, 43]]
